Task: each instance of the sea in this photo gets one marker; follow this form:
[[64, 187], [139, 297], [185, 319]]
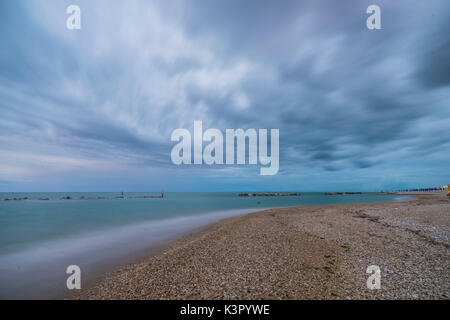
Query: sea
[[100, 231]]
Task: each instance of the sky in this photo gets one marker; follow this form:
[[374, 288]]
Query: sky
[[93, 109]]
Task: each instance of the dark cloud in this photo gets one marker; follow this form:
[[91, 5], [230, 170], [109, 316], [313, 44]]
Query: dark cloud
[[343, 97], [435, 71]]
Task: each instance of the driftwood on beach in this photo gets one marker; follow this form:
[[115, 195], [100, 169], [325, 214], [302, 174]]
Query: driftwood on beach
[[268, 194]]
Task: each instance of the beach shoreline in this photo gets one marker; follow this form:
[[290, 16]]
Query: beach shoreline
[[315, 252]]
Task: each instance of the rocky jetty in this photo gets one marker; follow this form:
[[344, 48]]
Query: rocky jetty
[[122, 196], [17, 199], [268, 194], [147, 197], [340, 193]]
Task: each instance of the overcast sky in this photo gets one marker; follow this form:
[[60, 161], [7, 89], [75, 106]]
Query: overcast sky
[[94, 109]]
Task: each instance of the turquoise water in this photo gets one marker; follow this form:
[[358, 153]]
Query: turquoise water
[[27, 222], [48, 235]]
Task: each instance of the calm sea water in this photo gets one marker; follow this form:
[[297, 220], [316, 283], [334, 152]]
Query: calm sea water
[[40, 238]]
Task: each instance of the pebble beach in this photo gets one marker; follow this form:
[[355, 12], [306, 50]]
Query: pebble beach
[[316, 252]]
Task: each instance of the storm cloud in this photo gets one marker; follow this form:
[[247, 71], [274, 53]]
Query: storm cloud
[[356, 108]]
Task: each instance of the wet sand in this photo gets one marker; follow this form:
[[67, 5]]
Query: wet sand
[[317, 252]]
